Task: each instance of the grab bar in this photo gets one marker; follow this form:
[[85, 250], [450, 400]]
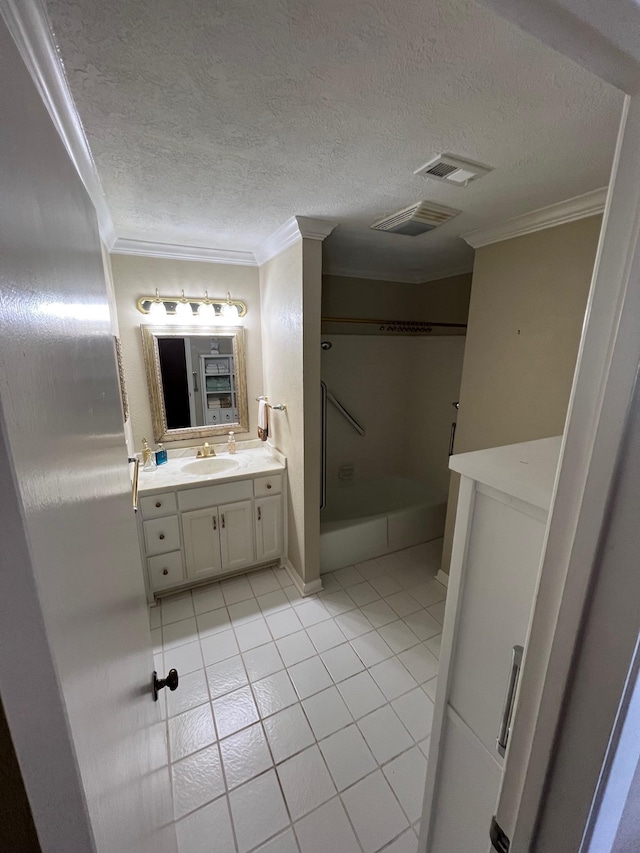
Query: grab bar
[[345, 414], [323, 445]]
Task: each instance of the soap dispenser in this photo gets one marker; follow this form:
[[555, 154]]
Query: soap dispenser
[[231, 444], [161, 454], [148, 460]]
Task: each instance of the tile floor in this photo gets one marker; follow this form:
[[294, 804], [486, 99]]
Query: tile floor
[[301, 725]]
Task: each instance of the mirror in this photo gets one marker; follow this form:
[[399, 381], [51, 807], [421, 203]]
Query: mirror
[[197, 380]]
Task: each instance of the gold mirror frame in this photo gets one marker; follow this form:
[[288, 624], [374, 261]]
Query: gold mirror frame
[[150, 334]]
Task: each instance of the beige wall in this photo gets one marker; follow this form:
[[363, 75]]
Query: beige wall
[[135, 276], [290, 289], [527, 307]]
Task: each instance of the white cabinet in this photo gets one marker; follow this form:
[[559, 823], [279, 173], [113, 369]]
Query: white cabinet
[[201, 532], [269, 527], [505, 494]]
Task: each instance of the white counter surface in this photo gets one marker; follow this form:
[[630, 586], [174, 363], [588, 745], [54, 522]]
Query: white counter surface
[[252, 462]]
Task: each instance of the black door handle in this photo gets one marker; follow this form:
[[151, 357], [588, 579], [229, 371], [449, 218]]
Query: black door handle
[[171, 681]]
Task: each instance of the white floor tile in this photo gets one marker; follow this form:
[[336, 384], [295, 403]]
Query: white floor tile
[[430, 688], [244, 611], [407, 775], [258, 811], [385, 585], [283, 577], [429, 593], [284, 843], [415, 709], [407, 843], [207, 598], [288, 732], [295, 647], [420, 662], [361, 694], [327, 830], [398, 636], [284, 622], [393, 678], [390, 563], [403, 603], [309, 677], [385, 734], [208, 830], [408, 577], [176, 607], [245, 755], [363, 593], [338, 602], [185, 659], [306, 782], [342, 662], [263, 582], [437, 611], [191, 731], [325, 635], [213, 622], [326, 712], [274, 693], [424, 746], [262, 661], [374, 812], [312, 611], [178, 633], [218, 647], [329, 584], [372, 568], [225, 676], [348, 757], [273, 601], [379, 613], [353, 624], [236, 589], [434, 645], [196, 780], [423, 624], [234, 711], [371, 648], [192, 691], [348, 577], [252, 634]]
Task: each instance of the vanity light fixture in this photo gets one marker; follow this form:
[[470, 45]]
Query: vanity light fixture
[[157, 310], [162, 309]]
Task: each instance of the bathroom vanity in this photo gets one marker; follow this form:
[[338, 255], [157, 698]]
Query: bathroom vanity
[[203, 519]]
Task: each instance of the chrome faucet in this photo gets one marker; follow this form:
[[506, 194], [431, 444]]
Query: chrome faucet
[[206, 451]]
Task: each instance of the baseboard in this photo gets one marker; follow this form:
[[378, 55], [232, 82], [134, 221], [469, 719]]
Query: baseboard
[[443, 577], [303, 588]]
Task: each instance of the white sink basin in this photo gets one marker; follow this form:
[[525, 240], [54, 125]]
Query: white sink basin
[[206, 467]]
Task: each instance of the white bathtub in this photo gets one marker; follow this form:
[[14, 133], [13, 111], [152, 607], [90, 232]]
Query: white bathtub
[[373, 517]]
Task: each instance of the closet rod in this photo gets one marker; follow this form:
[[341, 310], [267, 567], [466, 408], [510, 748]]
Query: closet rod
[[391, 322]]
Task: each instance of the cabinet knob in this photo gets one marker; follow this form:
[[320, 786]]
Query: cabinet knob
[[268, 485], [161, 536], [158, 504], [165, 571]]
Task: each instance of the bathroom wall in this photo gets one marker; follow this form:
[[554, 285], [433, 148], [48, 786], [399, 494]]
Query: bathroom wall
[[135, 276], [528, 300], [290, 290], [399, 388]]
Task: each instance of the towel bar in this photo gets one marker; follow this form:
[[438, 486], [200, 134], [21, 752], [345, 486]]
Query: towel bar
[[278, 407]]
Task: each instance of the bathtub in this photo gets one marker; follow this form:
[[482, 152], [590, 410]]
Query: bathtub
[[374, 517]]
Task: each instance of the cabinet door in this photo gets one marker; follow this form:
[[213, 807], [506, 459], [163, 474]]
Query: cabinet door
[[201, 531], [268, 516], [236, 535]]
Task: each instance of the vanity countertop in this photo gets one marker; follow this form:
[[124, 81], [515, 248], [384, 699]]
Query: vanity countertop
[[252, 462]]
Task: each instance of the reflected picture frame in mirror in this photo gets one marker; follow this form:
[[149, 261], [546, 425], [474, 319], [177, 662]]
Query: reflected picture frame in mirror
[[151, 335]]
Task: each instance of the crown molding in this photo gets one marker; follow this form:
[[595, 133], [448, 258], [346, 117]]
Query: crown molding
[[398, 276], [31, 30], [176, 252], [296, 228], [580, 207]]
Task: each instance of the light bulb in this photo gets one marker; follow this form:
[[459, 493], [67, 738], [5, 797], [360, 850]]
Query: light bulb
[[229, 311], [206, 311], [157, 310], [183, 309]]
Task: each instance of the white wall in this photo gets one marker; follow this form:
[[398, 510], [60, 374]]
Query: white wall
[[135, 276]]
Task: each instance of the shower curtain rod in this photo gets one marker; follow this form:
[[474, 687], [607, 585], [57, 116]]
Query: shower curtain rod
[[391, 322]]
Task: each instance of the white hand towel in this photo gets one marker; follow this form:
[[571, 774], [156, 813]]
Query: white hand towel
[[263, 420]]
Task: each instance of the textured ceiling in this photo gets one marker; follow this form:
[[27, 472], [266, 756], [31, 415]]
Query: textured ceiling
[[214, 121]]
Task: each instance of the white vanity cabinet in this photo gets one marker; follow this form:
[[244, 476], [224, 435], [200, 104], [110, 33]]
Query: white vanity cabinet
[[197, 533], [505, 494]]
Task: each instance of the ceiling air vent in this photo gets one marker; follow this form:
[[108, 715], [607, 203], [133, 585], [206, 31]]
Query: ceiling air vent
[[452, 170], [416, 219]]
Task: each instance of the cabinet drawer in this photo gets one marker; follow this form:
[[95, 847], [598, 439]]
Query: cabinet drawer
[[265, 486], [213, 416], [215, 495], [154, 506], [161, 535], [165, 570]]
